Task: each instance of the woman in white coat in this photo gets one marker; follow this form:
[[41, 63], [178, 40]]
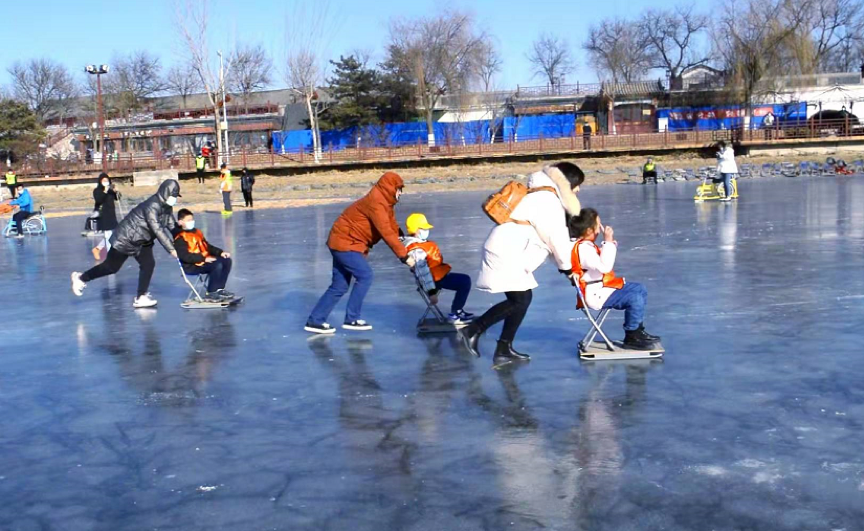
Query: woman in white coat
[[513, 251], [726, 167]]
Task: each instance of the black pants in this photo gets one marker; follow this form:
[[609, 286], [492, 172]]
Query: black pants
[[12, 189], [649, 175], [226, 201], [512, 311], [19, 218], [115, 260], [247, 196], [218, 271], [200, 173]]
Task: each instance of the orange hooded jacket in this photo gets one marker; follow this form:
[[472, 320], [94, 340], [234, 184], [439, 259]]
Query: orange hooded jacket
[[369, 220]]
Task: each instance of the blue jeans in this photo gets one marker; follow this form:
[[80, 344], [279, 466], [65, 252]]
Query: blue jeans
[[727, 183], [346, 265], [218, 272], [631, 298], [461, 284]]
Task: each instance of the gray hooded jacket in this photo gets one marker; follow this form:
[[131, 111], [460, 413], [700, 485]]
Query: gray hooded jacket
[[151, 220]]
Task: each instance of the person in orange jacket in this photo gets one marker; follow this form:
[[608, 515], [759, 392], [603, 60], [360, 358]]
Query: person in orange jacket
[[433, 272]]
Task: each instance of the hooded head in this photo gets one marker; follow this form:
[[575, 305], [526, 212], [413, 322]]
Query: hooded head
[[169, 188], [388, 184], [567, 178], [102, 178]]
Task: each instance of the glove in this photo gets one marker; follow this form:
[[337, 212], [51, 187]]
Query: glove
[[433, 296], [409, 261], [571, 276]]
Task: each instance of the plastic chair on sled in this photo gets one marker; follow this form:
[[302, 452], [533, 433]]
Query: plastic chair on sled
[[433, 320], [607, 349], [35, 224]]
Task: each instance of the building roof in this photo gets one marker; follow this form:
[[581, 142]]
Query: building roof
[[637, 88]]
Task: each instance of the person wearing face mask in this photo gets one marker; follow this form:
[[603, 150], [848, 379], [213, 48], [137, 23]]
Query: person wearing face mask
[[363, 224], [105, 195], [151, 220], [434, 273], [199, 256], [593, 275]]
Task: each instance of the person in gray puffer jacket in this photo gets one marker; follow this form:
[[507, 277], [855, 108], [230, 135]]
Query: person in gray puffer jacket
[[135, 235]]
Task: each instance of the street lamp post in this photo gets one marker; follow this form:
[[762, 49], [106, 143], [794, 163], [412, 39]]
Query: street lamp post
[[224, 124], [98, 71]]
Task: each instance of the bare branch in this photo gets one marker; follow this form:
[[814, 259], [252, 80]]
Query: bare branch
[[671, 35], [44, 85], [551, 58], [250, 68], [617, 50]]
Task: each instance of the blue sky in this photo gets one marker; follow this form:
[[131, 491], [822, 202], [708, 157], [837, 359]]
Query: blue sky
[[91, 31]]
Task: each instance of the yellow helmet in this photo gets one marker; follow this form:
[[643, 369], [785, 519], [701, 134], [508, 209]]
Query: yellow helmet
[[415, 222]]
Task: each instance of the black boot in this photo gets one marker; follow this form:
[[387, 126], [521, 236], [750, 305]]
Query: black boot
[[470, 337], [638, 340], [505, 350], [645, 332]]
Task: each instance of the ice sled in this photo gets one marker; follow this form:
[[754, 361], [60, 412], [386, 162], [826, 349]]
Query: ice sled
[[433, 320], [607, 349], [194, 301], [714, 190]]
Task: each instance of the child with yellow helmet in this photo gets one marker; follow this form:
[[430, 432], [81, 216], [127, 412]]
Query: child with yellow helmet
[[433, 272]]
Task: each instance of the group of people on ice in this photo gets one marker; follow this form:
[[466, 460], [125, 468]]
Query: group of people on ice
[[548, 221]]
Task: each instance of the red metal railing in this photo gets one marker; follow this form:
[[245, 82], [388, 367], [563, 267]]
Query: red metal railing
[[574, 143]]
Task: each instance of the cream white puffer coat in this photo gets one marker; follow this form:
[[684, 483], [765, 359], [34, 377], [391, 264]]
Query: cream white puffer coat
[[513, 252]]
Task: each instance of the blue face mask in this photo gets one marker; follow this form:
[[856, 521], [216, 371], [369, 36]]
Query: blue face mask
[[171, 201], [189, 225], [423, 234]]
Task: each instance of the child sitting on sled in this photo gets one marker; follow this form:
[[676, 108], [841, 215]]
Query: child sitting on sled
[[433, 273], [592, 273], [199, 256]]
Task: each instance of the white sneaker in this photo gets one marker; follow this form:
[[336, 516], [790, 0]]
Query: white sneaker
[[144, 301], [725, 199], [78, 285], [359, 324]]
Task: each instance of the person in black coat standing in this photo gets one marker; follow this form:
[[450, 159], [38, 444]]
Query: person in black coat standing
[[247, 181], [134, 236], [106, 196]]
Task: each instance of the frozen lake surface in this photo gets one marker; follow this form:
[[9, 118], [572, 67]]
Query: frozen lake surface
[[174, 419]]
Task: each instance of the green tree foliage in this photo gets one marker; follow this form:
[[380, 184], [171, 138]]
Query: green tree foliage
[[357, 91], [20, 131]]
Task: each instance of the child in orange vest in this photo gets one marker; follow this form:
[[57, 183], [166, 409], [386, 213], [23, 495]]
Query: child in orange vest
[[199, 256], [592, 271], [433, 273]]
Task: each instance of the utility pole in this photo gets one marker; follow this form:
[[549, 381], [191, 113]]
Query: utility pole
[[224, 124], [98, 71]]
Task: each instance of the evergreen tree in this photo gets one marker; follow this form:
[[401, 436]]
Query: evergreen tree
[[20, 131], [356, 91]]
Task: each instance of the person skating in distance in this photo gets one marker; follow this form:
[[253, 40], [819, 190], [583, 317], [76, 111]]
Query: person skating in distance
[[149, 221]]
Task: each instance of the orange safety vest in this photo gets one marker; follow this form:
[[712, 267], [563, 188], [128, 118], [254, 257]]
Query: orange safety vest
[[196, 242], [433, 258], [609, 279]]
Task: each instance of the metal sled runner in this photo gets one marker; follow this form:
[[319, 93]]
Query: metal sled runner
[[608, 349], [433, 320], [194, 301]]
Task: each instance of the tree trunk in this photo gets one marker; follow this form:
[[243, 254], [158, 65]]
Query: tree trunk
[[430, 129], [313, 123]]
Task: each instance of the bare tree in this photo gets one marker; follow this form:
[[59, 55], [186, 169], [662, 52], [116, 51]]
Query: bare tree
[[488, 66], [671, 35], [191, 20], [183, 82], [829, 30], [441, 53], [250, 68], [750, 38], [44, 85], [308, 33], [132, 80], [551, 58], [617, 50]]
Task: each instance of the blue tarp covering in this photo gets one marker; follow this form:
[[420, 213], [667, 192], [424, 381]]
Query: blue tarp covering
[[452, 133], [730, 117]]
